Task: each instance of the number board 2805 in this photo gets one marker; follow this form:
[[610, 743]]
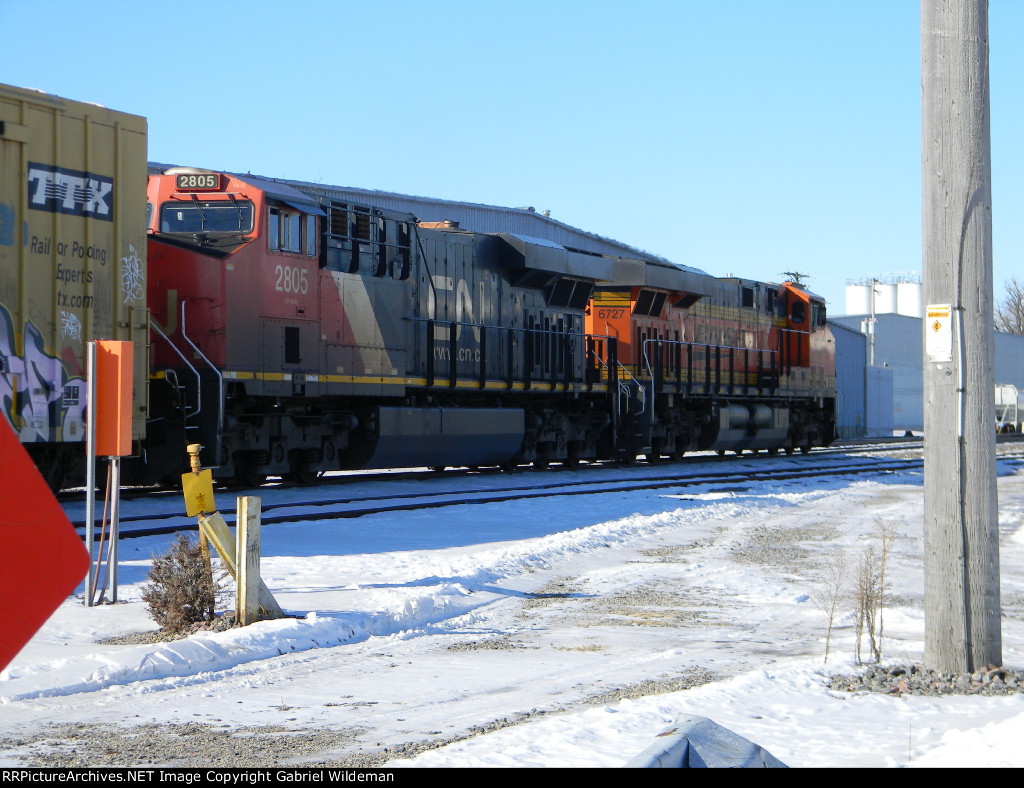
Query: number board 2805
[[209, 181]]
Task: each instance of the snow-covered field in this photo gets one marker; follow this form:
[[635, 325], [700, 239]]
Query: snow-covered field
[[555, 632]]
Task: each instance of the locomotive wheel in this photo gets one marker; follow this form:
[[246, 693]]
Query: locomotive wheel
[[773, 450], [721, 452], [250, 478], [246, 472], [789, 450], [805, 449], [510, 467], [302, 474], [540, 464], [438, 468], [571, 462], [653, 458]]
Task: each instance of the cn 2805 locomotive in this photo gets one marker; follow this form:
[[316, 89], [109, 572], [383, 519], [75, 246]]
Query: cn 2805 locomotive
[[293, 334]]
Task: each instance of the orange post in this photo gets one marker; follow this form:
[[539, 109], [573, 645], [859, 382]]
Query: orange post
[[113, 398]]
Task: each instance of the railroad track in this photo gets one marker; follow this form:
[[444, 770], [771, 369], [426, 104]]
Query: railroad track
[[676, 476], [345, 478]]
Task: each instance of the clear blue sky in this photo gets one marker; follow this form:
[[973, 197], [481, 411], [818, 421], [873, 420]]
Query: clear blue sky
[[743, 137]]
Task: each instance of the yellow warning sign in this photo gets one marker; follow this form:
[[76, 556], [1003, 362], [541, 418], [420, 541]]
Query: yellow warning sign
[[198, 489], [939, 340]]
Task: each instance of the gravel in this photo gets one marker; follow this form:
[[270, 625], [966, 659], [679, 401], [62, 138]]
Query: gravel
[[917, 680], [85, 745]]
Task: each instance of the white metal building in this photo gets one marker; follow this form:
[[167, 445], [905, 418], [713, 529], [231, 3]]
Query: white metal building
[[898, 336]]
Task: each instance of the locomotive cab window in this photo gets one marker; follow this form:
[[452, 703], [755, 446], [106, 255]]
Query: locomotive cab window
[[206, 216], [283, 234], [797, 313]]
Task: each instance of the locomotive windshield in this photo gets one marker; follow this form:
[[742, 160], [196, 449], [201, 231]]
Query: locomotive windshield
[[206, 216]]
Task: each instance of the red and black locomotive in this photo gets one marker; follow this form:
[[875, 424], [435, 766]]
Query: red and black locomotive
[[294, 334]]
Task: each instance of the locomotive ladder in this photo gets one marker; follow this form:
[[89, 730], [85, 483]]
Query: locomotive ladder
[[632, 401]]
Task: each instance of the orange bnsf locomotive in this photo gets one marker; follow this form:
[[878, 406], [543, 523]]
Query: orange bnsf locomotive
[[294, 334]]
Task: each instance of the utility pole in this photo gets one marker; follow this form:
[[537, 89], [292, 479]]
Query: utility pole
[[961, 530]]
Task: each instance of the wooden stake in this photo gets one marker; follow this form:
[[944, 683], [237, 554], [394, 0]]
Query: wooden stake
[[221, 538], [247, 559]]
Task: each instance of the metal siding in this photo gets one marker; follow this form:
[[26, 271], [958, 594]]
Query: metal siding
[[1009, 359], [907, 396], [879, 404], [851, 360], [898, 345]]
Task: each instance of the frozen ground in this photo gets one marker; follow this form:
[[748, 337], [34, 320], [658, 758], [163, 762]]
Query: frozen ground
[[559, 632]]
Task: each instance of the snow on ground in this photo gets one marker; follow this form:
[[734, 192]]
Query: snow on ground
[[576, 619]]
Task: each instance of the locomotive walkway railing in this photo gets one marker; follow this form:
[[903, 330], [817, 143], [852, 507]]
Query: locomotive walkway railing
[[664, 362], [791, 344], [514, 356]]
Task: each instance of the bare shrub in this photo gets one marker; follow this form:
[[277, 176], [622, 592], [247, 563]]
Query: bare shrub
[[866, 598], [871, 588], [181, 592], [830, 590], [886, 535]]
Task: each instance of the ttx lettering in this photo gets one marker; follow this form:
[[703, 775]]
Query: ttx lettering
[[58, 190]]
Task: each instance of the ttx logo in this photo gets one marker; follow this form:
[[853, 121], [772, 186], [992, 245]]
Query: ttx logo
[[58, 190]]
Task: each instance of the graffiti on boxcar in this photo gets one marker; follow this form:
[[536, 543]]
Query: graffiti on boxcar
[[132, 276], [37, 396], [70, 326]]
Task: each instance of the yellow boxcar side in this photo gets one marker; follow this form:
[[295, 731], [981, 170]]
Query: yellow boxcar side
[[72, 259]]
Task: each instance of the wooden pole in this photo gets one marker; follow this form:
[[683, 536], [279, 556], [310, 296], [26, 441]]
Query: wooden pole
[[247, 560], [962, 628], [220, 536]]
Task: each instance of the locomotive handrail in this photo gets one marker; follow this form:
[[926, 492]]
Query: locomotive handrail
[[786, 357], [560, 360], [707, 363], [220, 377], [622, 387], [199, 385]]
